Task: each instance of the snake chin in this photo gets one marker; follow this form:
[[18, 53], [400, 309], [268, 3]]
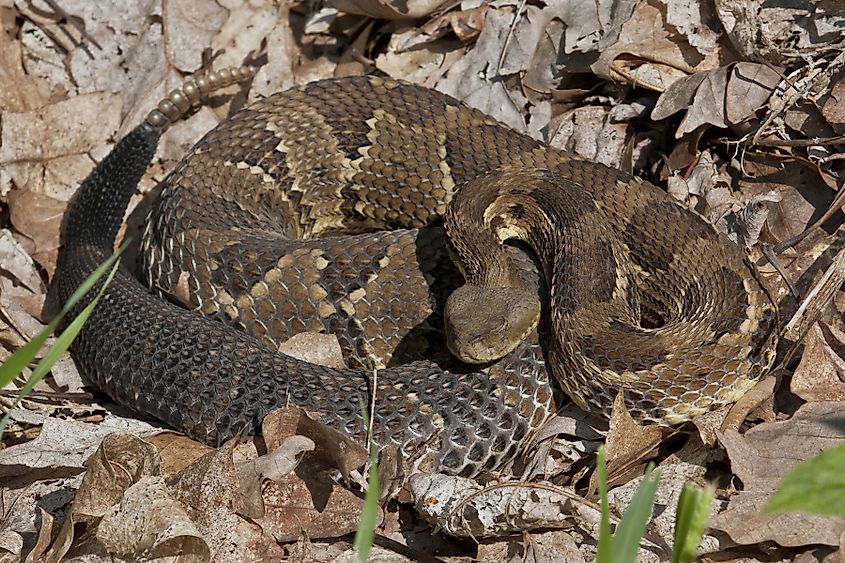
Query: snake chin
[[484, 324]]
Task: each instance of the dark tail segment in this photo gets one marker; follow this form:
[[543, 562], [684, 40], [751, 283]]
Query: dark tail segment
[[95, 214]]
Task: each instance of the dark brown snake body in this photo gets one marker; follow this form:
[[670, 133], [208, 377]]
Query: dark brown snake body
[[248, 229]]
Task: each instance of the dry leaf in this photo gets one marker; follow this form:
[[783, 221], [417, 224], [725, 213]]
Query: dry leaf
[[748, 90], [708, 103], [331, 446], [17, 262], [38, 217], [590, 132], [148, 524], [556, 545], [821, 374], [46, 150], [761, 458], [834, 107], [214, 496], [309, 504], [18, 90], [673, 477], [315, 347], [464, 508], [629, 445], [120, 461], [273, 466], [645, 54]]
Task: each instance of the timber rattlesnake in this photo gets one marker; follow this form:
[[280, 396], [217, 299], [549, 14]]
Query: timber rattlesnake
[[249, 229]]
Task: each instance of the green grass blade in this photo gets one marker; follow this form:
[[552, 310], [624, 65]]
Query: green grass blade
[[67, 336], [629, 532], [604, 550], [816, 485], [24, 355], [690, 521], [366, 532], [92, 279]]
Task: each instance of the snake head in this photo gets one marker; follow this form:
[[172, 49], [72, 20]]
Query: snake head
[[484, 324]]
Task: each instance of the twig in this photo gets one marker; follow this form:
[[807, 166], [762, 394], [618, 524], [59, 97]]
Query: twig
[[775, 261], [509, 36]]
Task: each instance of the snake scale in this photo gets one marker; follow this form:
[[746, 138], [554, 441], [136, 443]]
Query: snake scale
[[322, 209]]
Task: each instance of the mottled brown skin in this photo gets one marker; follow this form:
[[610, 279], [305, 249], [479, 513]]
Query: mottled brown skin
[[612, 271], [250, 223], [372, 154]]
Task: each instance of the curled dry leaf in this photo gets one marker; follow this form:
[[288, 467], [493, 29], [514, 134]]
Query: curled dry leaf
[[331, 446], [461, 507], [147, 523], [61, 448], [761, 458], [45, 534], [465, 24], [645, 54], [120, 461], [745, 225], [758, 400], [629, 445], [563, 441], [274, 465], [820, 376], [215, 498]]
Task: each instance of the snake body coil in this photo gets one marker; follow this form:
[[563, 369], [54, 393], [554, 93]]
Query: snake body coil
[[316, 209]]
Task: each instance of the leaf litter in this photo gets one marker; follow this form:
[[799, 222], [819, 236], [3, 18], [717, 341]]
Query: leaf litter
[[735, 106]]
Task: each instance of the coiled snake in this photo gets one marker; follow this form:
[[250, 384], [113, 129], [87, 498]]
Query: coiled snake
[[317, 209]]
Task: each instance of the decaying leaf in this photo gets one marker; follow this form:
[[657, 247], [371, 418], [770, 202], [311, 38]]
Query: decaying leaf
[[629, 445], [761, 458], [335, 448], [148, 522], [309, 504], [464, 508], [120, 461], [315, 347], [821, 374]]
